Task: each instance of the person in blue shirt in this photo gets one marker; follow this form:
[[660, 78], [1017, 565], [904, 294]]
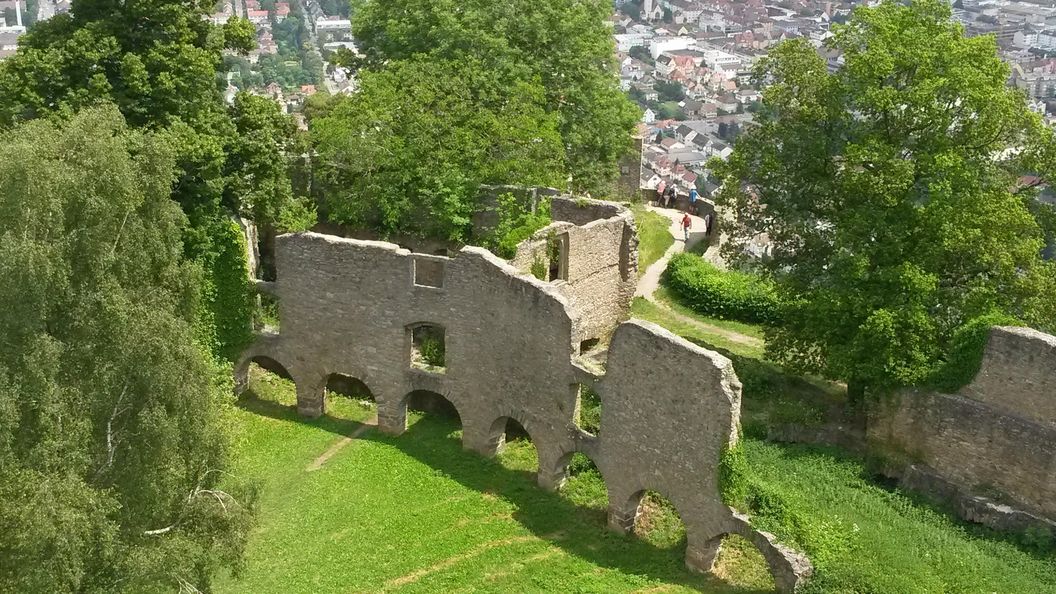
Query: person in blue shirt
[[692, 195]]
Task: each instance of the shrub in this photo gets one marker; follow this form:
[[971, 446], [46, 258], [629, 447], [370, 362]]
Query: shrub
[[965, 351], [516, 224], [432, 349], [716, 293]]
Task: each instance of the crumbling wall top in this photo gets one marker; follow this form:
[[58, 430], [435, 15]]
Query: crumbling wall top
[[1018, 374]]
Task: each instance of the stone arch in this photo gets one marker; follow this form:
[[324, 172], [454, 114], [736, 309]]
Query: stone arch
[[500, 427], [431, 401], [350, 385], [789, 568]]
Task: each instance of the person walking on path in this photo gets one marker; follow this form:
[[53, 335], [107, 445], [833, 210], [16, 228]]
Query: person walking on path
[[692, 197], [687, 222], [672, 197], [660, 192]]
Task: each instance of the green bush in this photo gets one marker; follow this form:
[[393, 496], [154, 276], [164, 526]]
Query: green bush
[[516, 224], [965, 351], [432, 350], [716, 293], [225, 319]]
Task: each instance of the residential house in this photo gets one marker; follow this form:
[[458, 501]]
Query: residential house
[[671, 144], [727, 103]]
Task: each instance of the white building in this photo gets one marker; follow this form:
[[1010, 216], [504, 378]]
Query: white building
[[720, 60], [666, 44], [649, 116], [625, 41]]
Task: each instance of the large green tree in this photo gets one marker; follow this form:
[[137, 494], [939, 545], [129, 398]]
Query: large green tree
[[113, 431], [889, 191], [565, 44], [409, 151], [157, 60]]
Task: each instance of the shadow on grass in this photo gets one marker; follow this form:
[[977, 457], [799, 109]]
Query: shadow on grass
[[577, 530]]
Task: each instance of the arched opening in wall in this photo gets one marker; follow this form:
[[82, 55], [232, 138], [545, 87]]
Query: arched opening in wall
[[269, 380], [434, 412], [428, 347], [588, 409], [585, 486], [658, 521], [515, 447], [739, 563], [347, 392]]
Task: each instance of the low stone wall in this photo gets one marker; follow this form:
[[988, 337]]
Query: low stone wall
[[670, 408], [996, 435]]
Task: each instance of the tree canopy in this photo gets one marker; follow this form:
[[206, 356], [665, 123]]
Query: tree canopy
[[113, 436], [409, 151], [889, 192], [564, 44]]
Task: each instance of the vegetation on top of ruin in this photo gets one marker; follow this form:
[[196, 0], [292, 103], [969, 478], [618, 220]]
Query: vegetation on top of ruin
[[654, 236], [889, 190], [456, 95]]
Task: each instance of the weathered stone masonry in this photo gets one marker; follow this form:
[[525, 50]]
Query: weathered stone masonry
[[997, 433], [670, 407]]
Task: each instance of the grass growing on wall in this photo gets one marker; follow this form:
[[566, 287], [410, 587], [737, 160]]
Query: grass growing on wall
[[416, 513], [654, 237]]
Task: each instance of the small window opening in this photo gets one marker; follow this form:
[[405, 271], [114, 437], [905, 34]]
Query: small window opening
[[266, 314], [557, 251], [428, 349], [588, 345], [428, 272], [588, 409]]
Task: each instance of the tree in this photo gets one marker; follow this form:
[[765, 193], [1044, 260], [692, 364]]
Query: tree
[[888, 192], [408, 152], [113, 430], [640, 52], [565, 44], [670, 91], [157, 60]]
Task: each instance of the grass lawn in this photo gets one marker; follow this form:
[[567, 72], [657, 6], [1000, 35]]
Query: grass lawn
[[654, 236], [416, 513]]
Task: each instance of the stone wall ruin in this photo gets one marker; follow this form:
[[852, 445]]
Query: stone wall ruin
[[997, 435], [671, 408]]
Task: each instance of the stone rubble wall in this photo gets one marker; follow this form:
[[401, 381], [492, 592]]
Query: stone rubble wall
[[998, 433], [670, 408], [601, 261], [1018, 374]]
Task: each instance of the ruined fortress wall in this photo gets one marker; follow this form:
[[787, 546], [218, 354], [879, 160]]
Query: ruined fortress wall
[[655, 437], [1018, 374], [669, 410], [997, 433], [601, 262]]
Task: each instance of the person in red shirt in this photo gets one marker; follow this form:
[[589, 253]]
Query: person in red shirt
[[687, 222]]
